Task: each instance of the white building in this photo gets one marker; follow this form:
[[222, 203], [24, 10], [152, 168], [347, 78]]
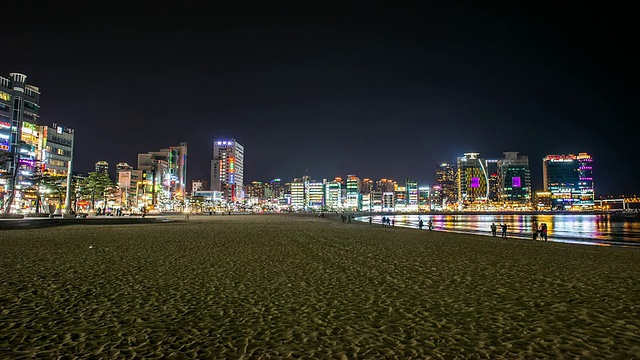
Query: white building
[[227, 169]]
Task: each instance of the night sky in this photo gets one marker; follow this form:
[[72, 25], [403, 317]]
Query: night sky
[[371, 90]]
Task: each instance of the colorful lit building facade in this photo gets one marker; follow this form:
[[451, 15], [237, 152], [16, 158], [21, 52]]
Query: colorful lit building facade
[[227, 169], [446, 178], [411, 190], [569, 179], [333, 194], [514, 179], [19, 137], [56, 149], [472, 181], [354, 196]]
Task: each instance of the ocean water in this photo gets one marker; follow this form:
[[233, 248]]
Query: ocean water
[[575, 228]]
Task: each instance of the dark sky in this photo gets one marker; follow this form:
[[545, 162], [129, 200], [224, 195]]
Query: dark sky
[[367, 89]]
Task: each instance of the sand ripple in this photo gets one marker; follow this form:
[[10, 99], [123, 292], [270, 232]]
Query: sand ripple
[[295, 286]]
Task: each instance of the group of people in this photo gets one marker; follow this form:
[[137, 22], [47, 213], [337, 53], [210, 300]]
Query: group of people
[[346, 218], [537, 231], [540, 231], [503, 230], [388, 221], [429, 224]]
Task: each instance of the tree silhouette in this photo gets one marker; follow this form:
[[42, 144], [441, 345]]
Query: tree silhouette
[[96, 186]]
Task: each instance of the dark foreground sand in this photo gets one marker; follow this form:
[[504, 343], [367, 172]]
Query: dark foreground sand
[[276, 286]]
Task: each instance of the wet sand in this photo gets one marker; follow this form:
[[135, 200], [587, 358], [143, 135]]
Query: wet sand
[[280, 286]]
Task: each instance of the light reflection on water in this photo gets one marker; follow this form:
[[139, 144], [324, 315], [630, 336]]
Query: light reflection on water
[[582, 228]]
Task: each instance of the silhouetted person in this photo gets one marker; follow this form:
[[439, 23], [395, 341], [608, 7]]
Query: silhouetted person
[[494, 229], [430, 225], [370, 220], [543, 232], [420, 224], [534, 230], [504, 230]]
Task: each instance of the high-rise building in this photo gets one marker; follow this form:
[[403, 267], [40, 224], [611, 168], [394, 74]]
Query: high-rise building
[[227, 169], [353, 192], [123, 166], [102, 167], [569, 179], [130, 183], [276, 189], [19, 137], [436, 198], [424, 198], [514, 179], [386, 185], [255, 190], [56, 149], [446, 178], [411, 187], [473, 181], [299, 194], [180, 168], [333, 194], [316, 194], [400, 201], [367, 186], [156, 177]]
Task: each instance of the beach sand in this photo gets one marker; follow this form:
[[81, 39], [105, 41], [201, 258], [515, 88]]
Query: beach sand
[[280, 286]]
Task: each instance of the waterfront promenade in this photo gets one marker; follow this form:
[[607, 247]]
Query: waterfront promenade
[[293, 285]]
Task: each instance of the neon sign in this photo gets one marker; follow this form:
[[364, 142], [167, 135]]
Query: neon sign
[[516, 182]]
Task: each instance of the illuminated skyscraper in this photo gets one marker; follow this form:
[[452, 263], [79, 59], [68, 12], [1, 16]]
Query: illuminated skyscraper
[[333, 194], [385, 185], [179, 175], [367, 186], [446, 178], [569, 179], [411, 194], [473, 180], [227, 169], [19, 113], [514, 179], [353, 192], [166, 169], [56, 149]]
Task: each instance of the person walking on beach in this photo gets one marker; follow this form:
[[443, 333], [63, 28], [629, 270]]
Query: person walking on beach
[[494, 229], [420, 224], [393, 222], [430, 225], [370, 220], [504, 230], [543, 232], [534, 230]]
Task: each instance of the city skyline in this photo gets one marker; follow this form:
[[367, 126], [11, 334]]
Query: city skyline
[[331, 92]]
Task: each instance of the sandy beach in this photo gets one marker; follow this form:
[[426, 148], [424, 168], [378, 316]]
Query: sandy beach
[[281, 286]]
